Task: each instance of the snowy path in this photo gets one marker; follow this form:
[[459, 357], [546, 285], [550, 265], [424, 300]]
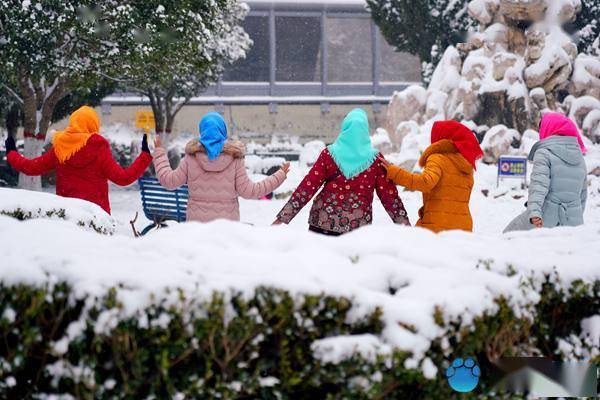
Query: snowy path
[[490, 215]]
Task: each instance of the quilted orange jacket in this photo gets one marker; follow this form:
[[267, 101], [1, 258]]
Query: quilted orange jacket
[[446, 183]]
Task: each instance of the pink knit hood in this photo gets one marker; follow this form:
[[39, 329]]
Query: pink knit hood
[[557, 124]]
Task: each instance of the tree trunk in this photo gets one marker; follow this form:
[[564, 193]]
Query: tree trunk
[[158, 110], [13, 120], [173, 108], [39, 100]]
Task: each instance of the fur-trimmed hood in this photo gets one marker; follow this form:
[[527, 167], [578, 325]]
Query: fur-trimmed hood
[[446, 146], [235, 149]]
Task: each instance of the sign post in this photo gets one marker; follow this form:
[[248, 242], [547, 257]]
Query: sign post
[[145, 120], [512, 167]]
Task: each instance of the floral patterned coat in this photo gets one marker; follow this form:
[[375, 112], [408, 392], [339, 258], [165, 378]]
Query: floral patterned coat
[[343, 204]]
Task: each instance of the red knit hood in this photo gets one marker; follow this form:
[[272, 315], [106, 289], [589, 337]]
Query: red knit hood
[[462, 137]]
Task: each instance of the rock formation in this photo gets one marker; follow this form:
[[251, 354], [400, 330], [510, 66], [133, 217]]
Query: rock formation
[[517, 65]]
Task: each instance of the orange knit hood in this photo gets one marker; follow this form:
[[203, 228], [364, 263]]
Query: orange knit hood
[[83, 124]]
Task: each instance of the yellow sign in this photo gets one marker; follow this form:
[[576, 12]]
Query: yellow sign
[[144, 120]]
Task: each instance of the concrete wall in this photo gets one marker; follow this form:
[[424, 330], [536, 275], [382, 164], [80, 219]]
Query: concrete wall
[[255, 121]]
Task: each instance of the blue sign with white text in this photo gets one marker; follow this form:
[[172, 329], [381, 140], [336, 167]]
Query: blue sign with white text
[[512, 166]]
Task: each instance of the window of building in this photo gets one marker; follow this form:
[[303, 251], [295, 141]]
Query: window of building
[[395, 66], [349, 50], [298, 49], [255, 67]]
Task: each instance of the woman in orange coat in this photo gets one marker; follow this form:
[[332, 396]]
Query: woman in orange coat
[[447, 178]]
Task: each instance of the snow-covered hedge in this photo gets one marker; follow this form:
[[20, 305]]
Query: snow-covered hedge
[[267, 312], [268, 345], [25, 204]]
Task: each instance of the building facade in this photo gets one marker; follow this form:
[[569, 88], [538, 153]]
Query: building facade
[[308, 60]]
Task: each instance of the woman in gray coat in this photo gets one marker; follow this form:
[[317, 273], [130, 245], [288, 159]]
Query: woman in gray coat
[[558, 189]]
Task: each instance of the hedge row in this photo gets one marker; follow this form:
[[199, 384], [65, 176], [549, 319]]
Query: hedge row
[[60, 213], [231, 346]]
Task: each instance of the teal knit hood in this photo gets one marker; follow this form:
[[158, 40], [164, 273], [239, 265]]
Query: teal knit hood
[[352, 151]]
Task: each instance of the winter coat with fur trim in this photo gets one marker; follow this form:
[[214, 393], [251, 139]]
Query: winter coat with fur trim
[[446, 183], [214, 186]]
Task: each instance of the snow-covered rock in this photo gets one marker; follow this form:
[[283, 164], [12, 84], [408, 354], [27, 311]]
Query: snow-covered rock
[[26, 204], [484, 11], [310, 152], [586, 76], [497, 141], [580, 107], [516, 66], [408, 105], [529, 138], [591, 125], [552, 68], [381, 140], [436, 104], [445, 78], [414, 142], [515, 11]]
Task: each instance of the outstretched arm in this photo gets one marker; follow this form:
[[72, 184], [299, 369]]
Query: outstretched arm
[[126, 176], [388, 194], [255, 190], [37, 166], [305, 191], [170, 179], [423, 182]]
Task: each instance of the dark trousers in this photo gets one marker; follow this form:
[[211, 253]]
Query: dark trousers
[[323, 231]]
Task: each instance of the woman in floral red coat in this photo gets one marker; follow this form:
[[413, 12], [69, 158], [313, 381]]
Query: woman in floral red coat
[[350, 172]]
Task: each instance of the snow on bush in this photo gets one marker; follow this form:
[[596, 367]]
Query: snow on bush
[[586, 345], [25, 204], [285, 303], [364, 265]]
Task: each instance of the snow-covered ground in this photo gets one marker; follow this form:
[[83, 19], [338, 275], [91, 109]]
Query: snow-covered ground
[[491, 213], [408, 272]]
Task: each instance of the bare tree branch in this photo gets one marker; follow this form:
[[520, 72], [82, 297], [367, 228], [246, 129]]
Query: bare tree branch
[[13, 93]]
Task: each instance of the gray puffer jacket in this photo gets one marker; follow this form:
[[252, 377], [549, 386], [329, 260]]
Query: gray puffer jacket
[[558, 189]]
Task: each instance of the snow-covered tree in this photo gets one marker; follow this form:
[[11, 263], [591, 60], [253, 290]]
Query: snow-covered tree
[[175, 48], [422, 27], [50, 48], [588, 24], [10, 109]]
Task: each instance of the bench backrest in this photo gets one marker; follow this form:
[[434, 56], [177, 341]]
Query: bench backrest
[[161, 204]]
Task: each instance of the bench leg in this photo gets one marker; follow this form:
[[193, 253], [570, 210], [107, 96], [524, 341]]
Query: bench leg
[[154, 225], [148, 229]]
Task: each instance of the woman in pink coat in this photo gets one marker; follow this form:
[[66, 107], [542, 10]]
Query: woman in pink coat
[[215, 173]]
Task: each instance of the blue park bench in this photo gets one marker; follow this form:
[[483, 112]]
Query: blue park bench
[[161, 205]]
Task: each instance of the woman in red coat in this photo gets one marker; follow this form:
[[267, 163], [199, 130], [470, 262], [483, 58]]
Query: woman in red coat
[[82, 160], [350, 172]]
